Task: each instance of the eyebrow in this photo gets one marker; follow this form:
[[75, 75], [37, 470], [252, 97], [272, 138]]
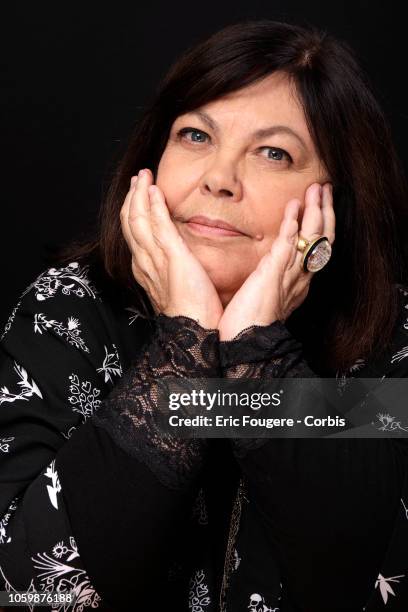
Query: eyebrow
[[257, 134]]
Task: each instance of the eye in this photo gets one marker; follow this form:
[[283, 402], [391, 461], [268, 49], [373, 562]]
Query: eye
[[278, 154], [181, 133]]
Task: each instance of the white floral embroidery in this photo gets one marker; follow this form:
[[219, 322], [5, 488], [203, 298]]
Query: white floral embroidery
[[47, 284], [55, 488], [71, 332], [84, 396], [136, 314], [386, 588], [4, 444], [69, 432], [60, 576], [111, 364], [4, 539], [53, 279], [28, 388], [11, 318], [400, 355], [357, 365], [343, 378], [389, 423], [198, 593], [257, 604], [16, 307]]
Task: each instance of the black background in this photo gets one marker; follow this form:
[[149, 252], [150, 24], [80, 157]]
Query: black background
[[76, 78]]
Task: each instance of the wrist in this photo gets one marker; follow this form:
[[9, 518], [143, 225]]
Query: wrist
[[193, 348], [256, 343], [205, 323], [230, 334]]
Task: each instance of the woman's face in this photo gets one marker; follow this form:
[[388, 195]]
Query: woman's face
[[225, 171]]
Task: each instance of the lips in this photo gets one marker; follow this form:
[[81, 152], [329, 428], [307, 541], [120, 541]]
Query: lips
[[202, 220]]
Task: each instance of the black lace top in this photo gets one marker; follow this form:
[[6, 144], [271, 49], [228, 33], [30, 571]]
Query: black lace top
[[95, 499]]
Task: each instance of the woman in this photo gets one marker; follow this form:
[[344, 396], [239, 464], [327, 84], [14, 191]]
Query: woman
[[93, 499]]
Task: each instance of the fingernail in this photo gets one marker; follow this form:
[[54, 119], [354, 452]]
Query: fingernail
[[141, 173]]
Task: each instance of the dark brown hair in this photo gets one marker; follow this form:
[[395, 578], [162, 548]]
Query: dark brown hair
[[352, 306]]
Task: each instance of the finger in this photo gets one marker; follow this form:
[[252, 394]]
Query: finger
[[312, 224], [312, 221], [140, 203], [290, 229], [329, 217], [284, 247], [141, 258], [124, 213], [125, 207], [139, 215], [164, 231], [143, 255]]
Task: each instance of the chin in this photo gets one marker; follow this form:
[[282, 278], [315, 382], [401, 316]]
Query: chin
[[225, 280], [221, 267]]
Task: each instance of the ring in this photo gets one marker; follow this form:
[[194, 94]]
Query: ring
[[317, 253]]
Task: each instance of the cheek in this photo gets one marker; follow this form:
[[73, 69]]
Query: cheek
[[169, 184], [270, 207], [269, 213], [174, 179]]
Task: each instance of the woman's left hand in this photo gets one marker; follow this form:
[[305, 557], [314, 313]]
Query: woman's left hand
[[278, 285]]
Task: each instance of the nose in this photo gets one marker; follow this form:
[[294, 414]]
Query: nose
[[220, 191], [221, 181]]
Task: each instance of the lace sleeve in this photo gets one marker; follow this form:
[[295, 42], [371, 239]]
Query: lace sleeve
[[263, 351], [180, 348], [268, 352]]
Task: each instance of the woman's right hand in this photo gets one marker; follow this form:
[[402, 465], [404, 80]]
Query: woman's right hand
[[162, 262]]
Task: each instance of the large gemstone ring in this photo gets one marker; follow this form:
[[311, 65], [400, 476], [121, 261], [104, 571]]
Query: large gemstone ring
[[317, 253]]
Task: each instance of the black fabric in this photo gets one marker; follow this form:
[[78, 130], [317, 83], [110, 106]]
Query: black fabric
[[325, 533], [147, 532], [321, 521], [131, 526], [143, 522], [70, 343]]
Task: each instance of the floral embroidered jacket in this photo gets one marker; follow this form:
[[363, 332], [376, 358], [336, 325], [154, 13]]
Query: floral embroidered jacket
[[93, 499]]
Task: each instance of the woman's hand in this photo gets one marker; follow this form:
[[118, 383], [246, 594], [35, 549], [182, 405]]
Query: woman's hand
[[162, 262], [278, 285]]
